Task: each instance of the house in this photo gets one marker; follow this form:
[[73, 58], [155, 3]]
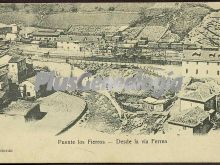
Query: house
[[21, 108], [135, 42], [47, 44], [4, 99], [4, 29], [201, 63], [164, 45], [30, 67], [27, 89], [17, 69], [14, 28], [211, 86], [69, 44], [26, 32], [176, 45], [153, 45], [46, 34], [84, 39], [153, 104], [203, 98], [142, 42], [4, 85], [11, 37], [173, 57], [117, 39], [190, 46], [126, 46], [109, 37], [195, 121]]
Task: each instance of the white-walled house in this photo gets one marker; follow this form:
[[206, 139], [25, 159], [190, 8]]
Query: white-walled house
[[204, 99], [27, 88], [201, 63], [68, 44], [46, 34], [194, 121], [17, 69], [11, 36], [14, 28], [153, 104]]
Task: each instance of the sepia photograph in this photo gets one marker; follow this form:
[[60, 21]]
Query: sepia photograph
[[109, 82]]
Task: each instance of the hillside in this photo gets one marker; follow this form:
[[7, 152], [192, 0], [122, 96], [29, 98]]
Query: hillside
[[181, 17], [207, 32]]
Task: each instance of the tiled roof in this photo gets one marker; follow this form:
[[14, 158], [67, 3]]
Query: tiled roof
[[201, 55], [201, 95], [209, 86], [154, 101], [194, 86], [46, 33], [192, 118]]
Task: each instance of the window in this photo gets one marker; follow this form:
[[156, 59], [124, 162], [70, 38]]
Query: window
[[197, 71], [197, 62], [207, 72], [207, 63], [186, 70], [218, 63], [184, 128], [218, 72], [28, 93], [187, 62]]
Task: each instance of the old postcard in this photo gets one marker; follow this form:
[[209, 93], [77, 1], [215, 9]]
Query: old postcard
[[109, 82]]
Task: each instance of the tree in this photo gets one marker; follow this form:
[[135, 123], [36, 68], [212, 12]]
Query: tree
[[142, 14], [111, 8], [73, 9]]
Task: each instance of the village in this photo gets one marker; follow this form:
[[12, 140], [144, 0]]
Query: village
[[111, 51]]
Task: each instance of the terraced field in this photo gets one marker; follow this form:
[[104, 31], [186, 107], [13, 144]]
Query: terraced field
[[63, 20]]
